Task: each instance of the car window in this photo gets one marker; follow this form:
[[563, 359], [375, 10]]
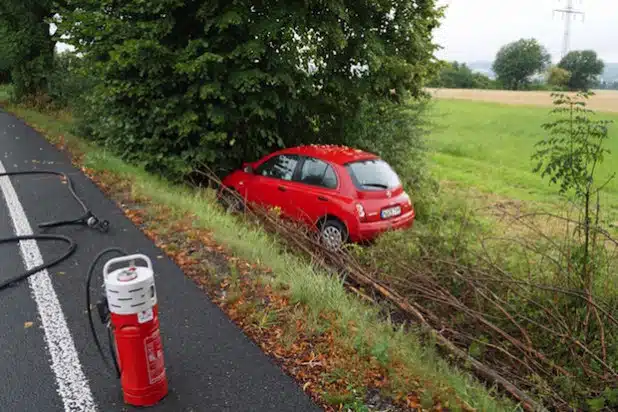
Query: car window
[[330, 178], [373, 174], [317, 173], [279, 167]]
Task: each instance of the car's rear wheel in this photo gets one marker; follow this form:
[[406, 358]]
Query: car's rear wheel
[[333, 234]]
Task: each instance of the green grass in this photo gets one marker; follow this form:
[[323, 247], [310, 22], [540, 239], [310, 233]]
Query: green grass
[[308, 285], [488, 146]]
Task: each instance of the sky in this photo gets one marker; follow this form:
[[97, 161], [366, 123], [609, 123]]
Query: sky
[[474, 30]]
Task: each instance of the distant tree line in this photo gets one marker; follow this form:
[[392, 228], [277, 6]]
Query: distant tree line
[[603, 85], [526, 65]]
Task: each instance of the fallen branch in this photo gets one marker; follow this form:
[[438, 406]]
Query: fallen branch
[[482, 370]]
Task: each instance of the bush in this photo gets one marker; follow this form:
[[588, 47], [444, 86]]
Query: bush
[[457, 75], [214, 83], [558, 77], [5, 76], [396, 133], [68, 84]]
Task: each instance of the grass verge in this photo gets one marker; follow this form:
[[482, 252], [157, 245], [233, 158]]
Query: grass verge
[[356, 351]]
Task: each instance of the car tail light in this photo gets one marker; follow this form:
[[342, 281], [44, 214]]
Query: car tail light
[[360, 211], [408, 200]]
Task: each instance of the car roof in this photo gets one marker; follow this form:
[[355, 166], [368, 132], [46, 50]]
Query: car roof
[[331, 153]]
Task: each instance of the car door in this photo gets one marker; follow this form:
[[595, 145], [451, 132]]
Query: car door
[[269, 185], [313, 193]]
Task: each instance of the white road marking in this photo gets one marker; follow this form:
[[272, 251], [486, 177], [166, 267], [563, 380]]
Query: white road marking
[[72, 384]]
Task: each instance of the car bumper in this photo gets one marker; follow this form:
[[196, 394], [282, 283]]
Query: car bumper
[[370, 230]]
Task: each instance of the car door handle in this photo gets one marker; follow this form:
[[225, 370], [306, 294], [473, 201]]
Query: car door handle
[[322, 198], [282, 188]]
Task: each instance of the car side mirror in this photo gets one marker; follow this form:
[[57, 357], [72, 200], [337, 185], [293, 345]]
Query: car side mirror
[[247, 168]]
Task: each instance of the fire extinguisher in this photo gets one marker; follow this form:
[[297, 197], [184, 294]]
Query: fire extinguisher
[[130, 309]]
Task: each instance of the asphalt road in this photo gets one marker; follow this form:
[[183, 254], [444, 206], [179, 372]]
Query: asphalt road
[[210, 363]]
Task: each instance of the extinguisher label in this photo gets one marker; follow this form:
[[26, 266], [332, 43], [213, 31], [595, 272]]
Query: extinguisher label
[[145, 316], [154, 355]]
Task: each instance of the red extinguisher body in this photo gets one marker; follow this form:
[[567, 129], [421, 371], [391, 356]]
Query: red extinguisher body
[[140, 358], [132, 301]]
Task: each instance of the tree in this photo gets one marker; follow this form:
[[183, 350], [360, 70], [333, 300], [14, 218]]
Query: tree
[[570, 156], [5, 58], [183, 84], [26, 43], [558, 77], [517, 62], [455, 75], [584, 67]]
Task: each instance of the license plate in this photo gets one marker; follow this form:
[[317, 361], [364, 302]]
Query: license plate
[[391, 212]]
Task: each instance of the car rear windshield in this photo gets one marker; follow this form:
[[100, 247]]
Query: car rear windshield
[[374, 174]]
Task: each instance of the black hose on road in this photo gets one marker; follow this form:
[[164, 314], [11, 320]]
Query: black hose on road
[[70, 250], [87, 219]]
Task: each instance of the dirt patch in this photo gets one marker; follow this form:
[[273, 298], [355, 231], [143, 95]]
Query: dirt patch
[[604, 100]]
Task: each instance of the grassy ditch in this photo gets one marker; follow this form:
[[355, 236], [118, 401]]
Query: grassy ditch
[[281, 300]]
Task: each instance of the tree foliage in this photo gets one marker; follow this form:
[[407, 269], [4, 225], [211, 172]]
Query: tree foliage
[[455, 75], [179, 84], [5, 58], [26, 44], [68, 82], [558, 77], [517, 62], [584, 67]]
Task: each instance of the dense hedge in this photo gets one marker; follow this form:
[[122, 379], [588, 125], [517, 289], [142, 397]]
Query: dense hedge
[[175, 85]]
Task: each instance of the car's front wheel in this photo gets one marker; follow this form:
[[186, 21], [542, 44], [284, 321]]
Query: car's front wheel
[[333, 234], [231, 201]]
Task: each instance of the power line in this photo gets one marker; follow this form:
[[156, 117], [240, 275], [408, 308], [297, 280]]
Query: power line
[[568, 13]]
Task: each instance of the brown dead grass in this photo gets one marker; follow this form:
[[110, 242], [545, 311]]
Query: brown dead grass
[[604, 100]]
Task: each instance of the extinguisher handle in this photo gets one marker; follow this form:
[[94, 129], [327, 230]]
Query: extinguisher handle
[[122, 259]]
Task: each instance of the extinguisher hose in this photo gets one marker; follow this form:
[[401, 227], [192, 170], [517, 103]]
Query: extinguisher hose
[[89, 307], [86, 218], [70, 250]]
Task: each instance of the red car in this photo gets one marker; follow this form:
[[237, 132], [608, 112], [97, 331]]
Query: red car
[[344, 193]]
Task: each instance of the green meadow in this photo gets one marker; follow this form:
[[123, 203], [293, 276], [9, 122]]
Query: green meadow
[[487, 147]]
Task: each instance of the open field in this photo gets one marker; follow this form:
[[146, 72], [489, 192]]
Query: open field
[[605, 100], [488, 146]]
